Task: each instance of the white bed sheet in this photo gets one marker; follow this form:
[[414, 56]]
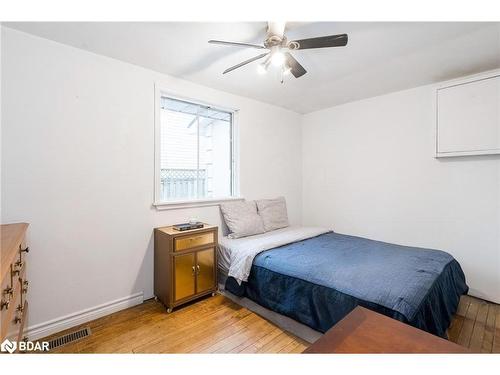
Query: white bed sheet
[[235, 256]]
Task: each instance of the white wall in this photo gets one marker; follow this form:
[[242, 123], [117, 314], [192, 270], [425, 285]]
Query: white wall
[[77, 164], [369, 170]]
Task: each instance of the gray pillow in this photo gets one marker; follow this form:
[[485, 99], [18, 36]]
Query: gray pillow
[[273, 213], [242, 219]]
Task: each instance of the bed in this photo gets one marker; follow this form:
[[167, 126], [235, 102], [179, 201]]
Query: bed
[[317, 276]]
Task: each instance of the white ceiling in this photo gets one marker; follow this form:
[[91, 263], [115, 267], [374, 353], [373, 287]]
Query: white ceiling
[[379, 58]]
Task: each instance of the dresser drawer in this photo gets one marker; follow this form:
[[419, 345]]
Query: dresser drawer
[[7, 295], [17, 323], [10, 317], [10, 321], [194, 240], [13, 251], [11, 290]]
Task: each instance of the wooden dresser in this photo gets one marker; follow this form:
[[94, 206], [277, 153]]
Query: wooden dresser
[[14, 287], [185, 264]]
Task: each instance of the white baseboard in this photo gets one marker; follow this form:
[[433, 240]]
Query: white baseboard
[[487, 297], [60, 324]]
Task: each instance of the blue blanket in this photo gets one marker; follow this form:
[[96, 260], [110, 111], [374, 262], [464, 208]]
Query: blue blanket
[[320, 280]]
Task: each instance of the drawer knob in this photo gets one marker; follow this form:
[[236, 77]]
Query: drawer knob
[[8, 291], [19, 265], [4, 305], [26, 283], [17, 320], [20, 308], [27, 250]]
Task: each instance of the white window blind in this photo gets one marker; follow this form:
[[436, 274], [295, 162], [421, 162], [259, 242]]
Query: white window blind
[[196, 151]]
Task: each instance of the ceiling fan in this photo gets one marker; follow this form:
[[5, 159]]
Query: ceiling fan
[[278, 50]]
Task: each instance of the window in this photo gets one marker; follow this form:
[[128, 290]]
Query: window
[[196, 152]]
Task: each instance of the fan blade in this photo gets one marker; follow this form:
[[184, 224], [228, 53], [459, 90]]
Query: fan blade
[[235, 44], [339, 40], [245, 62], [296, 69], [276, 28]]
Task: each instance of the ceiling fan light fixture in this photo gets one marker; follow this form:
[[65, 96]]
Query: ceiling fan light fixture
[[261, 69], [277, 57]]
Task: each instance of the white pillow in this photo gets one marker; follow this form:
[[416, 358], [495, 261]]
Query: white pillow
[[273, 213], [242, 219]]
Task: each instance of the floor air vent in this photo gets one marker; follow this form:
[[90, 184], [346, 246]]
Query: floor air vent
[[69, 337]]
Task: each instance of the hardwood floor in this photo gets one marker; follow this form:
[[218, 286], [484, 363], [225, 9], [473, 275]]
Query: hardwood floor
[[218, 325], [476, 325], [211, 325]]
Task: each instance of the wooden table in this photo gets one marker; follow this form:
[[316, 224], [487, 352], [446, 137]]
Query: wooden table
[[365, 331]]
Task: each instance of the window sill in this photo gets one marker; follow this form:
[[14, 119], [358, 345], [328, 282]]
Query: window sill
[[175, 205]]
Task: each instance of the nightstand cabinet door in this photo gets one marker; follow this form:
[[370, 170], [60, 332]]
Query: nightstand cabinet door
[[205, 264], [184, 274]]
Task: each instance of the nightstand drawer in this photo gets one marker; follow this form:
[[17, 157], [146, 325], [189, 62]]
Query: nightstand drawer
[[183, 243]]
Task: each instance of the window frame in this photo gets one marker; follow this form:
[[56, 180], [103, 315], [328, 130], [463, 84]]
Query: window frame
[[175, 204]]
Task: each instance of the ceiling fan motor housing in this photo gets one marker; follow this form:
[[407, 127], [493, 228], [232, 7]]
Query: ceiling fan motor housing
[[274, 41]]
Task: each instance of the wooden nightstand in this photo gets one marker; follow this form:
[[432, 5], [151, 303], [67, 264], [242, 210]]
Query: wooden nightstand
[[185, 264]]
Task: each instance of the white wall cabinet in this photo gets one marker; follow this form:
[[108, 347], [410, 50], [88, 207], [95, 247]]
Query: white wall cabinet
[[468, 116]]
